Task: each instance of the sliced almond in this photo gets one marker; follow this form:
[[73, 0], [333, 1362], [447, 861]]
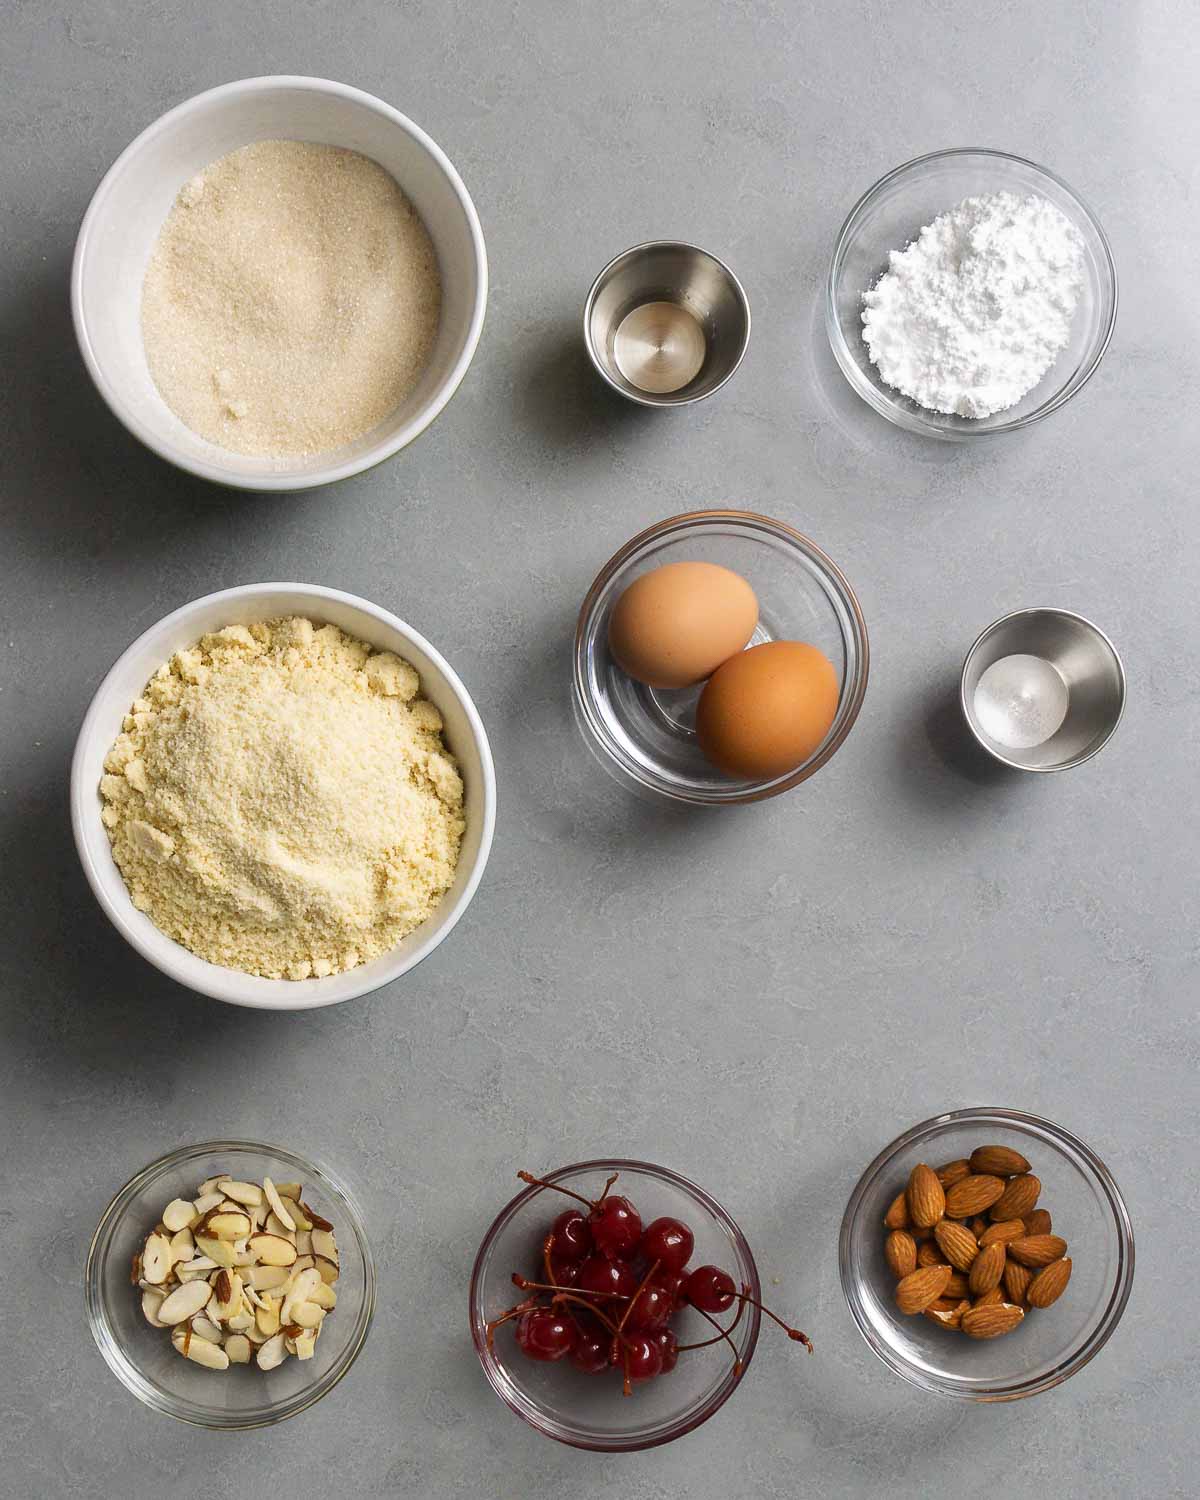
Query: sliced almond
[[183, 1246], [178, 1215], [278, 1207], [241, 1192], [205, 1203], [200, 1351], [228, 1299], [156, 1259], [229, 1225], [253, 1334], [241, 1320], [185, 1302], [316, 1221], [324, 1244], [204, 1328], [302, 1263], [301, 1288], [267, 1278], [329, 1271], [209, 1184], [238, 1348], [324, 1296], [267, 1318], [304, 1241], [152, 1300], [275, 1225], [307, 1314], [220, 1252], [272, 1353], [292, 1190], [297, 1215], [272, 1250], [303, 1346]]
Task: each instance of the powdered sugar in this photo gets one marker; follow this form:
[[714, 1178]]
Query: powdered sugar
[[971, 315]]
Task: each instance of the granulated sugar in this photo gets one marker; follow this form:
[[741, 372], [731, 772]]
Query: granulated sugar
[[970, 316], [291, 301]]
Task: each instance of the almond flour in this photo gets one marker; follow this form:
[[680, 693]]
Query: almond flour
[[291, 300], [281, 801]]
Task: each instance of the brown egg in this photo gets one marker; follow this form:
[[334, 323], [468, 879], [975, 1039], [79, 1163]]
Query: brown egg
[[677, 624], [766, 710]]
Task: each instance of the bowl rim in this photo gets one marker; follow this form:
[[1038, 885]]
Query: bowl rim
[[682, 1425], [968, 712], [857, 687], [228, 984], [280, 481], [889, 408], [666, 398], [1092, 1342], [111, 1347]]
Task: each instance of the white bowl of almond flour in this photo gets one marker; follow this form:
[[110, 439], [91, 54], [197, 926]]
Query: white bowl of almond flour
[[279, 284], [283, 796]]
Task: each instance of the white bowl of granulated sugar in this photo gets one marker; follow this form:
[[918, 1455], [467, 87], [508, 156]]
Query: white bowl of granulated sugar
[[279, 284], [298, 790]]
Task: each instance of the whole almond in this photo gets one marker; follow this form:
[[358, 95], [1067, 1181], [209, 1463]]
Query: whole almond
[[1017, 1199], [954, 1171], [998, 1161], [946, 1311], [1049, 1283], [1016, 1281], [1005, 1230], [971, 1195], [957, 1287], [1037, 1249], [987, 1269], [900, 1252], [1038, 1222], [957, 1243], [990, 1298], [928, 1254], [897, 1215], [991, 1321], [926, 1200], [923, 1286], [978, 1224]]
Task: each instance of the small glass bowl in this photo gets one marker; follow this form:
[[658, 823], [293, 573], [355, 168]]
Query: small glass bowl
[[1048, 1346], [143, 1358], [646, 737], [889, 217], [589, 1411]]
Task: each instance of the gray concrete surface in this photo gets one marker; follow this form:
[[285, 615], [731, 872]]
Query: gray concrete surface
[[760, 999]]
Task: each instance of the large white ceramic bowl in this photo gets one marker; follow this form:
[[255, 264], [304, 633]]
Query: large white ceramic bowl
[[125, 215], [464, 735]]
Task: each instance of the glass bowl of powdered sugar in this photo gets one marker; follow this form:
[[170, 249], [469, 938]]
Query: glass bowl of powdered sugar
[[970, 293]]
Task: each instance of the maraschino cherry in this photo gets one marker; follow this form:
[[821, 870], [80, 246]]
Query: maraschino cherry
[[609, 1289]]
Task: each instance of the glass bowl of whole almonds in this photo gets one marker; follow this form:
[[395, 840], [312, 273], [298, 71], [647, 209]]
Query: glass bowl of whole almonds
[[986, 1254], [230, 1284]]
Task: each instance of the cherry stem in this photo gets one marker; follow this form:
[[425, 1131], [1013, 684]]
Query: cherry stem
[[627, 1385], [636, 1295], [607, 1187], [792, 1333], [724, 1333], [717, 1337], [514, 1312], [522, 1283], [542, 1183]]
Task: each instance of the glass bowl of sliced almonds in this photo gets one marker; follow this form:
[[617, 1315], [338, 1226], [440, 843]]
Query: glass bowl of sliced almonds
[[986, 1254], [230, 1284]]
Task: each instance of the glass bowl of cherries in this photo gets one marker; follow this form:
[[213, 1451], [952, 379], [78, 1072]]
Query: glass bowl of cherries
[[615, 1305]]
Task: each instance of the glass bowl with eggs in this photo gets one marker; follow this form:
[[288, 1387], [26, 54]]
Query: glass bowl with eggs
[[720, 657]]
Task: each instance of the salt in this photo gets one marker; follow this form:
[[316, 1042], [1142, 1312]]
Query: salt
[[1021, 701]]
